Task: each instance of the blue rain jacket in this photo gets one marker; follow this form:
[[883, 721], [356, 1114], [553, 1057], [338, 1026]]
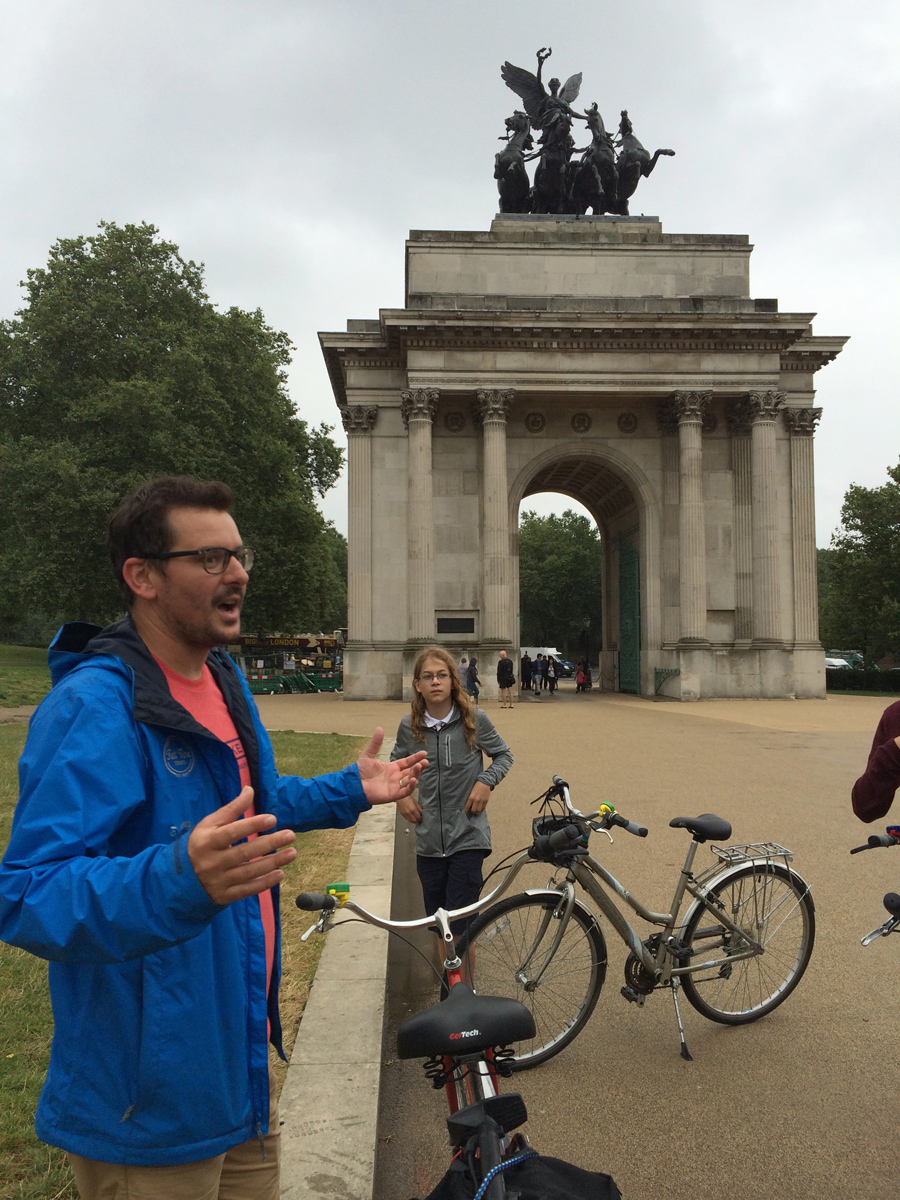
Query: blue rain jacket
[[159, 1051]]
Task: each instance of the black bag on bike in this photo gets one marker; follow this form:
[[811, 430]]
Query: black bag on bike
[[537, 1178]]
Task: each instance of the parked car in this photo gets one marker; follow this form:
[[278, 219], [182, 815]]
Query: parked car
[[837, 662]]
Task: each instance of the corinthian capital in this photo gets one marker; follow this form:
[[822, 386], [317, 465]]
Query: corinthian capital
[[691, 406], [764, 406], [418, 405], [801, 422], [492, 405], [359, 418]]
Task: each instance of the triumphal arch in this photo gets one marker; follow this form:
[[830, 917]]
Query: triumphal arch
[[627, 368]]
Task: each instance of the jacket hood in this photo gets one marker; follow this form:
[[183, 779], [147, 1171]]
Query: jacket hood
[[120, 648]]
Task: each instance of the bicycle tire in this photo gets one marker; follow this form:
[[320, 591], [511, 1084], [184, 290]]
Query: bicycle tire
[[776, 908], [569, 988]]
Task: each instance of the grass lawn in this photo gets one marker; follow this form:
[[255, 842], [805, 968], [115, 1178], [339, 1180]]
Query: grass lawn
[[32, 1171], [24, 676]]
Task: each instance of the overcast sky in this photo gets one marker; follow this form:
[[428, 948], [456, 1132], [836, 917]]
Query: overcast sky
[[290, 145]]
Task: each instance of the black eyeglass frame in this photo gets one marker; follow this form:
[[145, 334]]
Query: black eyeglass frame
[[239, 554]]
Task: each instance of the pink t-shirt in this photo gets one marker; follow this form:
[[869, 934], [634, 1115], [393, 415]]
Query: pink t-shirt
[[203, 700]]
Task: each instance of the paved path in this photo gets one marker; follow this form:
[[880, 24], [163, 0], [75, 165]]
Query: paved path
[[799, 1106]]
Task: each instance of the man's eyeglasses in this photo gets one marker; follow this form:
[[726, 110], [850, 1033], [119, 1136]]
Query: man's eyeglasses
[[215, 559], [441, 677]]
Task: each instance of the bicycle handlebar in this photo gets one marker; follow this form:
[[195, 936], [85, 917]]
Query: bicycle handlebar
[[891, 838], [315, 902], [630, 826]]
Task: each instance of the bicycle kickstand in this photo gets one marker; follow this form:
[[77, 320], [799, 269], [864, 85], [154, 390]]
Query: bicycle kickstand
[[685, 1053]]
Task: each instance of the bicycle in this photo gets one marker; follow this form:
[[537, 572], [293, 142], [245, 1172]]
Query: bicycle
[[891, 901], [751, 925], [465, 1041]]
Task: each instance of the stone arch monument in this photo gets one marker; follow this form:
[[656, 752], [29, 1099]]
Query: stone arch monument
[[624, 367]]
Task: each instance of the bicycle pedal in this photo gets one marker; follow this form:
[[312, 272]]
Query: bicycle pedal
[[633, 996]]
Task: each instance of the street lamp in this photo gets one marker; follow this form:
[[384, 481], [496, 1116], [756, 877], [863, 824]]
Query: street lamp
[[586, 622]]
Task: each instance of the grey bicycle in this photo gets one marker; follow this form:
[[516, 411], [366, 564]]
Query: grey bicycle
[[738, 951]]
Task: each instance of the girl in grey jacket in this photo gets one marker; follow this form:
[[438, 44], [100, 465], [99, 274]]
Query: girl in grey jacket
[[452, 832]]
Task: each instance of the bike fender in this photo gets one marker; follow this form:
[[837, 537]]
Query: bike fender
[[735, 869]]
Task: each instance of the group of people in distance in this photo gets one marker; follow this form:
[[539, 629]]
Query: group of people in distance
[[150, 837]]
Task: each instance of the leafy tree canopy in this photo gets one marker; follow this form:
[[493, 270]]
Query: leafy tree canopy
[[118, 369], [559, 580], [859, 593]]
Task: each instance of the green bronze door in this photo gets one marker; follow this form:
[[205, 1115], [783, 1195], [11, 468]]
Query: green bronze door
[[629, 618]]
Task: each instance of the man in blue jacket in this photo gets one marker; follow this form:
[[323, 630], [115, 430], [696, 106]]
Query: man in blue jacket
[[146, 852]]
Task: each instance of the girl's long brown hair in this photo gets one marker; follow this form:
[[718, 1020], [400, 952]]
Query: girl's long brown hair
[[458, 696]]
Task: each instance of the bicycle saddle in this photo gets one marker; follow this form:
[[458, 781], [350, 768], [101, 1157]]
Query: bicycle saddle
[[463, 1023], [704, 827]]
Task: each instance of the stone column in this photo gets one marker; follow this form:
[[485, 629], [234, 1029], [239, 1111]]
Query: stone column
[[491, 409], [689, 409], [764, 408], [667, 423], [801, 423], [417, 409], [359, 421], [740, 425]]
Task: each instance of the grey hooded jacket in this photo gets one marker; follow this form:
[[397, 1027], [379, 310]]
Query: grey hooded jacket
[[445, 784]]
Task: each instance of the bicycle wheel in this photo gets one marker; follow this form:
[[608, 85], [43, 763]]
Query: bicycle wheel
[[776, 909], [509, 943]]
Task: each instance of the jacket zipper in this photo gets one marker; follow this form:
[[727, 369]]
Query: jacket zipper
[[440, 801]]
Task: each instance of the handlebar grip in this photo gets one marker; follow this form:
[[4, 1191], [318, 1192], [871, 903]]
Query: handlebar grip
[[558, 781], [882, 839], [892, 904], [562, 839], [315, 901], [629, 826]]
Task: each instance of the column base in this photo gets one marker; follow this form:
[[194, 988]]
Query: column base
[[692, 643], [764, 643]]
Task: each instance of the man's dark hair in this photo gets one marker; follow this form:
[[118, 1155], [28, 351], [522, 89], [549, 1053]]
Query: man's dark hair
[[139, 528]]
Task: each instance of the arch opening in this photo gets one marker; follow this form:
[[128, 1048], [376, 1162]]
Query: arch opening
[[614, 501]]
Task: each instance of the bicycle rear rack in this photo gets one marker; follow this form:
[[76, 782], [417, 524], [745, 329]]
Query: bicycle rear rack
[[736, 855]]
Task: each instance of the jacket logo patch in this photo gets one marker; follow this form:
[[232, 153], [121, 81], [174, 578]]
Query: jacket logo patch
[[178, 757]]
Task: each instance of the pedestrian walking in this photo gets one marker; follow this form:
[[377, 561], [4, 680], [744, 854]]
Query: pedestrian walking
[[472, 680], [526, 672], [550, 674], [506, 680]]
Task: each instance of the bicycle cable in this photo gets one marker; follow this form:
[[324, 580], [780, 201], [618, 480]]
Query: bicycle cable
[[393, 932], [494, 1171]]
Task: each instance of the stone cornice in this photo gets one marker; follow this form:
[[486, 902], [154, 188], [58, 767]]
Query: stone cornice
[[812, 353], [419, 405]]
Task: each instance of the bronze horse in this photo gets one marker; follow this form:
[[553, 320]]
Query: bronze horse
[[509, 165], [634, 163]]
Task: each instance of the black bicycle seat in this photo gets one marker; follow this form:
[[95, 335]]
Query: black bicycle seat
[[464, 1023], [704, 827]]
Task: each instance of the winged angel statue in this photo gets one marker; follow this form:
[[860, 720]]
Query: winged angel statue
[[600, 180]]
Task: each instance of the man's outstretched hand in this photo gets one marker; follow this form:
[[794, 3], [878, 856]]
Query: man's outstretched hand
[[231, 872], [383, 782]]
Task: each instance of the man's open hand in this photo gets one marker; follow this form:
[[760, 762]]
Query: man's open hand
[[383, 782], [231, 872]]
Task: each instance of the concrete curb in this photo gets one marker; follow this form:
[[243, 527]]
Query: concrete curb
[[329, 1104]]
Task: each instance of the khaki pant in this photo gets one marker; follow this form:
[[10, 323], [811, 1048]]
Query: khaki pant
[[240, 1174]]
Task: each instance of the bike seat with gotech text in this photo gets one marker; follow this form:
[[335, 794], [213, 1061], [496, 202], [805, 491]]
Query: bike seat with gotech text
[[464, 1023], [704, 827]]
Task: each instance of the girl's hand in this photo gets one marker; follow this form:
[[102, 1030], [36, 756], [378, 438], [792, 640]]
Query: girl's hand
[[478, 798], [410, 809]]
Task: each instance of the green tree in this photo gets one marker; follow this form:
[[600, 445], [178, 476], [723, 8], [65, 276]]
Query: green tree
[[859, 576], [559, 580], [119, 368]]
